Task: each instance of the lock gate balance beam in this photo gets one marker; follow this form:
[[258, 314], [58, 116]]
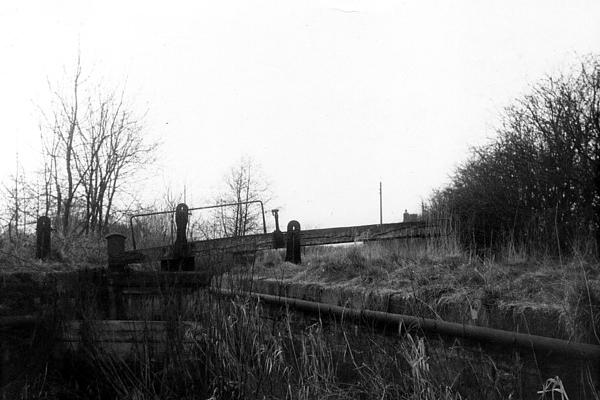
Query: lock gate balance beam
[[310, 237]]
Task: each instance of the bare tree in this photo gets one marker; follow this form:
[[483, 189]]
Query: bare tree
[[61, 147], [244, 183], [114, 148], [94, 143], [20, 196], [538, 183]]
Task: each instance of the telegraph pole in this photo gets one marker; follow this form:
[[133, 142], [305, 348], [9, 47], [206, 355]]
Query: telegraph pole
[[380, 205]]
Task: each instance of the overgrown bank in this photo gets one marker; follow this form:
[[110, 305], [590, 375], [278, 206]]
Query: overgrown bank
[[536, 186], [435, 279]]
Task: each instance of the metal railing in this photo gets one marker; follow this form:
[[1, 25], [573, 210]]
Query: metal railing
[[172, 212]]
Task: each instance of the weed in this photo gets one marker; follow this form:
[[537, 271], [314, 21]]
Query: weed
[[554, 388]]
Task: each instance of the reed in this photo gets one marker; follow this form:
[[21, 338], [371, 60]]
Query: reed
[[239, 349]]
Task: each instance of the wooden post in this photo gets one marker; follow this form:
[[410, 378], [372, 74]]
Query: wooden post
[[43, 238], [115, 248]]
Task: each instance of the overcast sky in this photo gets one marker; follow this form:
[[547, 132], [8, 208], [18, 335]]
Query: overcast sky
[[330, 97]]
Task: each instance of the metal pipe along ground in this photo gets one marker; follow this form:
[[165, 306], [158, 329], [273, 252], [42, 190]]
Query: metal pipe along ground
[[571, 350]]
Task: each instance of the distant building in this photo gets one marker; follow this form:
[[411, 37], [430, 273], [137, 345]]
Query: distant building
[[410, 217]]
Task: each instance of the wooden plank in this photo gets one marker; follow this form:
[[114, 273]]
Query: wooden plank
[[17, 321], [233, 244], [310, 237], [122, 331], [127, 338], [314, 237], [160, 279]]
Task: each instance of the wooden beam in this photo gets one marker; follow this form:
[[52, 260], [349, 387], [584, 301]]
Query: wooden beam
[[128, 338], [160, 279], [361, 233], [310, 237], [17, 321]]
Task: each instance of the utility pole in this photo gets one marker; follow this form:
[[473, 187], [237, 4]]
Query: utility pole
[[380, 205]]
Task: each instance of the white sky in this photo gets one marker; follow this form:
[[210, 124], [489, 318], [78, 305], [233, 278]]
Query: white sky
[[329, 96]]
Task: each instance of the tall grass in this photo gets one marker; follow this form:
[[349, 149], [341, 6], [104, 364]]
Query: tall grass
[[238, 349], [234, 348]]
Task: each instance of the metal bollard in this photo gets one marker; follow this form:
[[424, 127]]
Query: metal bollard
[[278, 240], [292, 253], [180, 259], [43, 238], [115, 248], [181, 221]]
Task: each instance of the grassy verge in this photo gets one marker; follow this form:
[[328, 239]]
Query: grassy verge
[[437, 272]]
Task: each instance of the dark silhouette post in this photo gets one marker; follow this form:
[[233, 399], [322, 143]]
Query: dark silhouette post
[[278, 241], [180, 259], [115, 248], [292, 253], [43, 241], [181, 221]]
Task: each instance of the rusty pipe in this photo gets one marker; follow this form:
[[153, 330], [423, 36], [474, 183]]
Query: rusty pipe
[[478, 333]]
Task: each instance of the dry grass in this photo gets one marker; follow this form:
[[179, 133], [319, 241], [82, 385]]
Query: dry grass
[[437, 273], [68, 254], [236, 350], [417, 264], [237, 355], [232, 353]]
